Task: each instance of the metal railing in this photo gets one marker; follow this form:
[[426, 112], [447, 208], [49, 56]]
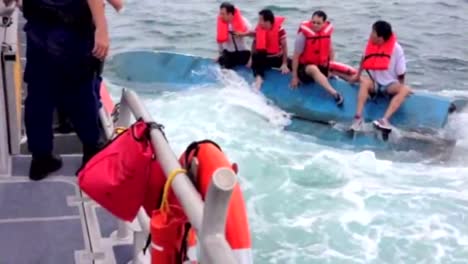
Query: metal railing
[[208, 218], [9, 103], [12, 77], [4, 142]]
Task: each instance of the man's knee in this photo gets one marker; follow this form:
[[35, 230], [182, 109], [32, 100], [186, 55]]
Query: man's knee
[[405, 90], [366, 85], [312, 70], [399, 89]]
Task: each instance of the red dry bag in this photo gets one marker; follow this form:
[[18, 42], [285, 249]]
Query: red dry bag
[[117, 177]]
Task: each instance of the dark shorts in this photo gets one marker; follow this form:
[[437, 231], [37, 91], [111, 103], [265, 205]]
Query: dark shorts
[[230, 60], [261, 62], [381, 90], [304, 77]]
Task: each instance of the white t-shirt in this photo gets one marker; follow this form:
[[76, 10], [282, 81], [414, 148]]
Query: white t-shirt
[[240, 41], [397, 67]]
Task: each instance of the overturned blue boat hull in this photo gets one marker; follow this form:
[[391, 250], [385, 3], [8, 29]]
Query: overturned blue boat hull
[[421, 112]]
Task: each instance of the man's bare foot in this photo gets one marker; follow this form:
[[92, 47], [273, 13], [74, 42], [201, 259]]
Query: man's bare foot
[[258, 82], [249, 63]]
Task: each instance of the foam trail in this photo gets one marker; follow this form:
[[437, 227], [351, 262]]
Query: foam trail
[[238, 92]]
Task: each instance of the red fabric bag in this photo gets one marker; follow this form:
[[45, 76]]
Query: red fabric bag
[[117, 177]]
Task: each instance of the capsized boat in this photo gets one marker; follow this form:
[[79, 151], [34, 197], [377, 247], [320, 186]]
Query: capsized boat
[[310, 105]]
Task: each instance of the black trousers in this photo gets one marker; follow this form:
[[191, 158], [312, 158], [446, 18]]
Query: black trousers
[[262, 62], [68, 87], [230, 60]]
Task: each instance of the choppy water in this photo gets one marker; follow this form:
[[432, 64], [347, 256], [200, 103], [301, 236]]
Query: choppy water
[[309, 203]]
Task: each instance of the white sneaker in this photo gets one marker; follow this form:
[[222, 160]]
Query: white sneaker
[[383, 124], [357, 124]]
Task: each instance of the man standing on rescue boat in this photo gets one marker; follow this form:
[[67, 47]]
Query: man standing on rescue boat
[[313, 52], [269, 49], [66, 44], [231, 44], [385, 63]]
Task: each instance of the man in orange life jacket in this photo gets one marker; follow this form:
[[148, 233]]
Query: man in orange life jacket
[[269, 49], [312, 53], [230, 26], [385, 64]]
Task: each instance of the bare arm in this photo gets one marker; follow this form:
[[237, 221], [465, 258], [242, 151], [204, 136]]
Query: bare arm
[[97, 10], [251, 33], [360, 67], [116, 4], [295, 64], [401, 66], [101, 41], [284, 44], [332, 53], [245, 34]]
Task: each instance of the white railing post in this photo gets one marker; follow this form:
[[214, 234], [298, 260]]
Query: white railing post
[[11, 73], [4, 153], [124, 113], [106, 122], [139, 237], [186, 193], [124, 118], [5, 122], [213, 245]]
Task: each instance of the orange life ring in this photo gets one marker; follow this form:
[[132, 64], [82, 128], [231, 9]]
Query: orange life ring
[[342, 68], [210, 157]]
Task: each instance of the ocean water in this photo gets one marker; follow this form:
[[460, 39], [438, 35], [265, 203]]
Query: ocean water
[[308, 202]]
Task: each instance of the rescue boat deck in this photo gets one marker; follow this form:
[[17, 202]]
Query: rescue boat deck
[[51, 221]]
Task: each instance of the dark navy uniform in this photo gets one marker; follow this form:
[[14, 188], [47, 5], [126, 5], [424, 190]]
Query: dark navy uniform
[[61, 72]]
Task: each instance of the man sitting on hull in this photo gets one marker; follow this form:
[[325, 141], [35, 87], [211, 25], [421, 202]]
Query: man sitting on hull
[[384, 60], [312, 54], [269, 49], [231, 26]]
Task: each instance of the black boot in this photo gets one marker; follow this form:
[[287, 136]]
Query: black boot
[[42, 166]]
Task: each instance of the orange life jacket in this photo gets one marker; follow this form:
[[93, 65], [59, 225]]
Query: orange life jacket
[[377, 57], [318, 44], [238, 25], [169, 228], [269, 40]]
